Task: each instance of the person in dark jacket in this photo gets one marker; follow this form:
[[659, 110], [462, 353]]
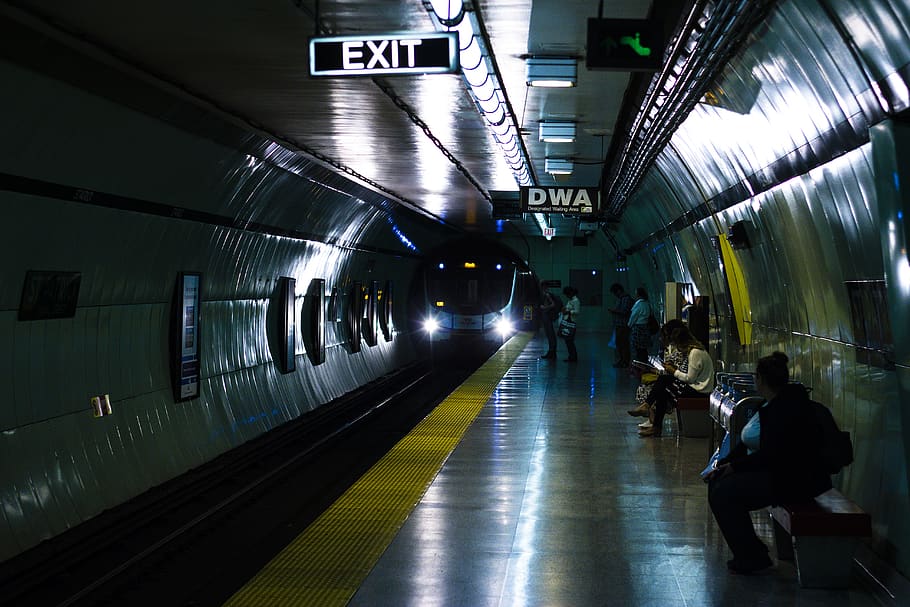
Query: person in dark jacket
[[550, 305], [777, 461], [621, 328]]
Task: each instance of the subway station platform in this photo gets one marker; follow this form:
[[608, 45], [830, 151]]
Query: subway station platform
[[529, 486]]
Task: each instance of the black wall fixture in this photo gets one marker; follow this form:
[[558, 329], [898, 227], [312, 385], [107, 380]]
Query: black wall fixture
[[741, 235], [355, 315], [371, 316], [281, 324], [287, 327], [313, 320], [385, 311]]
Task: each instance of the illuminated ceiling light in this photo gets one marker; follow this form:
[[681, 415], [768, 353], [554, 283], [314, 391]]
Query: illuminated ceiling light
[[557, 132], [489, 105], [449, 12], [497, 116], [558, 166], [479, 73], [552, 71], [471, 57]]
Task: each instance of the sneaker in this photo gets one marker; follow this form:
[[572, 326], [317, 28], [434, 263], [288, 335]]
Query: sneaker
[[645, 424]]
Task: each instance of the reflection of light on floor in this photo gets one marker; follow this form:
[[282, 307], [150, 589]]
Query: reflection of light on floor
[[521, 578]]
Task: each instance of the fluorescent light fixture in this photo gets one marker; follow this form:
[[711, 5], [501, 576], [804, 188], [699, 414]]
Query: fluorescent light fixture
[[480, 76], [552, 71], [558, 166], [557, 132], [449, 12]]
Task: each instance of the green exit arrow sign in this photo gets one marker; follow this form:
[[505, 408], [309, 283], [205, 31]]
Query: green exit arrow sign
[[630, 45]]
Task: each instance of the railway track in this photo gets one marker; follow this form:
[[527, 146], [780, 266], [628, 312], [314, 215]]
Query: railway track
[[195, 540]]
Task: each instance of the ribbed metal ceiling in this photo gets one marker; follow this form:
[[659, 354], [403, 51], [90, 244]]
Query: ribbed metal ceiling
[[420, 140]]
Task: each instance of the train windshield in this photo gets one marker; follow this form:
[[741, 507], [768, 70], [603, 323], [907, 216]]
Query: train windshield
[[473, 292]]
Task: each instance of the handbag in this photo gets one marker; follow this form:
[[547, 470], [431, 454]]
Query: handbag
[[566, 328]]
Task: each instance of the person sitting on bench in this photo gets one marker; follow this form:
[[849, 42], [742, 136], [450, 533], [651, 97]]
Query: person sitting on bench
[[777, 461], [697, 380]]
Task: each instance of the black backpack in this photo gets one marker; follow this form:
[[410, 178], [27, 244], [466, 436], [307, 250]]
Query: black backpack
[[836, 446]]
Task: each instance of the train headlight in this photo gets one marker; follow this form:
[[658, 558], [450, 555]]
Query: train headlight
[[430, 325], [504, 326]]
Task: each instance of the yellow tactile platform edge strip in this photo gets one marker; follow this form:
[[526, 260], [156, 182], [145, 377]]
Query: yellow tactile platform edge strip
[[327, 563]]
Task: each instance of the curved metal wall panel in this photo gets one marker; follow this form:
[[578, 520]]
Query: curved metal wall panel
[[785, 149], [880, 31], [242, 216]]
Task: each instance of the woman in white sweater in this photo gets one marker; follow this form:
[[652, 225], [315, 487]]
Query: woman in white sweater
[[698, 380]]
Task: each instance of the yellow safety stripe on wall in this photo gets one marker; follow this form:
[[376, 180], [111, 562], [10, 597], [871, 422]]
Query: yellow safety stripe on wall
[[739, 292], [327, 563]]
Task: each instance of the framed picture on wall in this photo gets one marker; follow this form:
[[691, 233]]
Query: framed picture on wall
[[185, 336], [49, 294]]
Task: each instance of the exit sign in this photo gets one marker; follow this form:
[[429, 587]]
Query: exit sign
[[629, 45], [384, 54]]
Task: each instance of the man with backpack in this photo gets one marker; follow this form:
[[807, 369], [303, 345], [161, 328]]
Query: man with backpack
[[780, 459]]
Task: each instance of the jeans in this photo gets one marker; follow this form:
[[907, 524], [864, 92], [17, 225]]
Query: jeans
[[732, 498]]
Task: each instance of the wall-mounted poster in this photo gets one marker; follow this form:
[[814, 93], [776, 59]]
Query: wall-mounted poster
[[355, 316], [185, 336], [49, 295]]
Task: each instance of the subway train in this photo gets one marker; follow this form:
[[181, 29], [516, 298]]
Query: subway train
[[763, 165], [472, 288]]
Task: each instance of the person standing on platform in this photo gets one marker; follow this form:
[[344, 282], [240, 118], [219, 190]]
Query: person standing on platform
[[623, 334], [570, 312], [550, 305], [638, 323]]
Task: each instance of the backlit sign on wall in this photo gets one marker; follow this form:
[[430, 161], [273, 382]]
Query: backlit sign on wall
[[385, 54], [570, 201], [630, 45]]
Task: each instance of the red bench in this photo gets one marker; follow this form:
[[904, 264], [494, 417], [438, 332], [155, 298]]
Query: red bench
[[821, 536], [692, 416]]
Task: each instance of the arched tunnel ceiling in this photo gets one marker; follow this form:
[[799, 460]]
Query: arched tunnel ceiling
[[249, 59]]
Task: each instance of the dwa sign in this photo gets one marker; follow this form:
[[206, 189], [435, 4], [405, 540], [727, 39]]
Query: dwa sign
[[569, 201]]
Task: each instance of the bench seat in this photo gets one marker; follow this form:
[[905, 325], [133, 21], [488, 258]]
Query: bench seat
[[821, 536], [692, 416]]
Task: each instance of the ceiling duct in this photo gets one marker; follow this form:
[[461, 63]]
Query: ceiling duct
[[710, 33]]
